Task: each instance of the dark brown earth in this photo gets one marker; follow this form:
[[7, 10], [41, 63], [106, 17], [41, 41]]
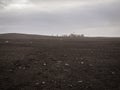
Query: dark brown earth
[[60, 64]]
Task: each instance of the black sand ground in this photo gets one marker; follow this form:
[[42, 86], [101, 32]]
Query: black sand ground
[[60, 64]]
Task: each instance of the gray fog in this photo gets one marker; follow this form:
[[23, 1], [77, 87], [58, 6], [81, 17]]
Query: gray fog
[[52, 17]]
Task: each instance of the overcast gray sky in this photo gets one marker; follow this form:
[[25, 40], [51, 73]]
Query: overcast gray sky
[[89, 17]]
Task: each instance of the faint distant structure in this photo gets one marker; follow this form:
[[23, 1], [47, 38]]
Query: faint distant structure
[[57, 35], [82, 35], [64, 35], [76, 35], [72, 36]]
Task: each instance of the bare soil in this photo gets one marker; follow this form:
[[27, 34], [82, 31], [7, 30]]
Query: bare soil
[[43, 64]]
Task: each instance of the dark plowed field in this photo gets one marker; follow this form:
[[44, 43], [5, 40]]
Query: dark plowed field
[[92, 64]]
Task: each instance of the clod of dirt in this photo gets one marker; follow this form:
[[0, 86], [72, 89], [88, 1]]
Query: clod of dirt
[[80, 81], [71, 85], [10, 70], [43, 82], [44, 64], [6, 41], [113, 72], [37, 83], [91, 65], [66, 64], [82, 62]]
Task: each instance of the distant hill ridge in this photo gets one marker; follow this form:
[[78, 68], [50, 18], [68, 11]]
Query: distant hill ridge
[[23, 36], [36, 36]]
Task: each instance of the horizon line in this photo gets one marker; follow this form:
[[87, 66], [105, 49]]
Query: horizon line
[[59, 35]]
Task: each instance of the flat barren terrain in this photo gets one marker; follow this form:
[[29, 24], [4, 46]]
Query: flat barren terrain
[[60, 64]]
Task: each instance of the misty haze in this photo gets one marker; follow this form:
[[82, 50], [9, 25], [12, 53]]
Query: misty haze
[[59, 45]]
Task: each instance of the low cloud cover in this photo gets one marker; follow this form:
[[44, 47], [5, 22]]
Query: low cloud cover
[[89, 17]]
